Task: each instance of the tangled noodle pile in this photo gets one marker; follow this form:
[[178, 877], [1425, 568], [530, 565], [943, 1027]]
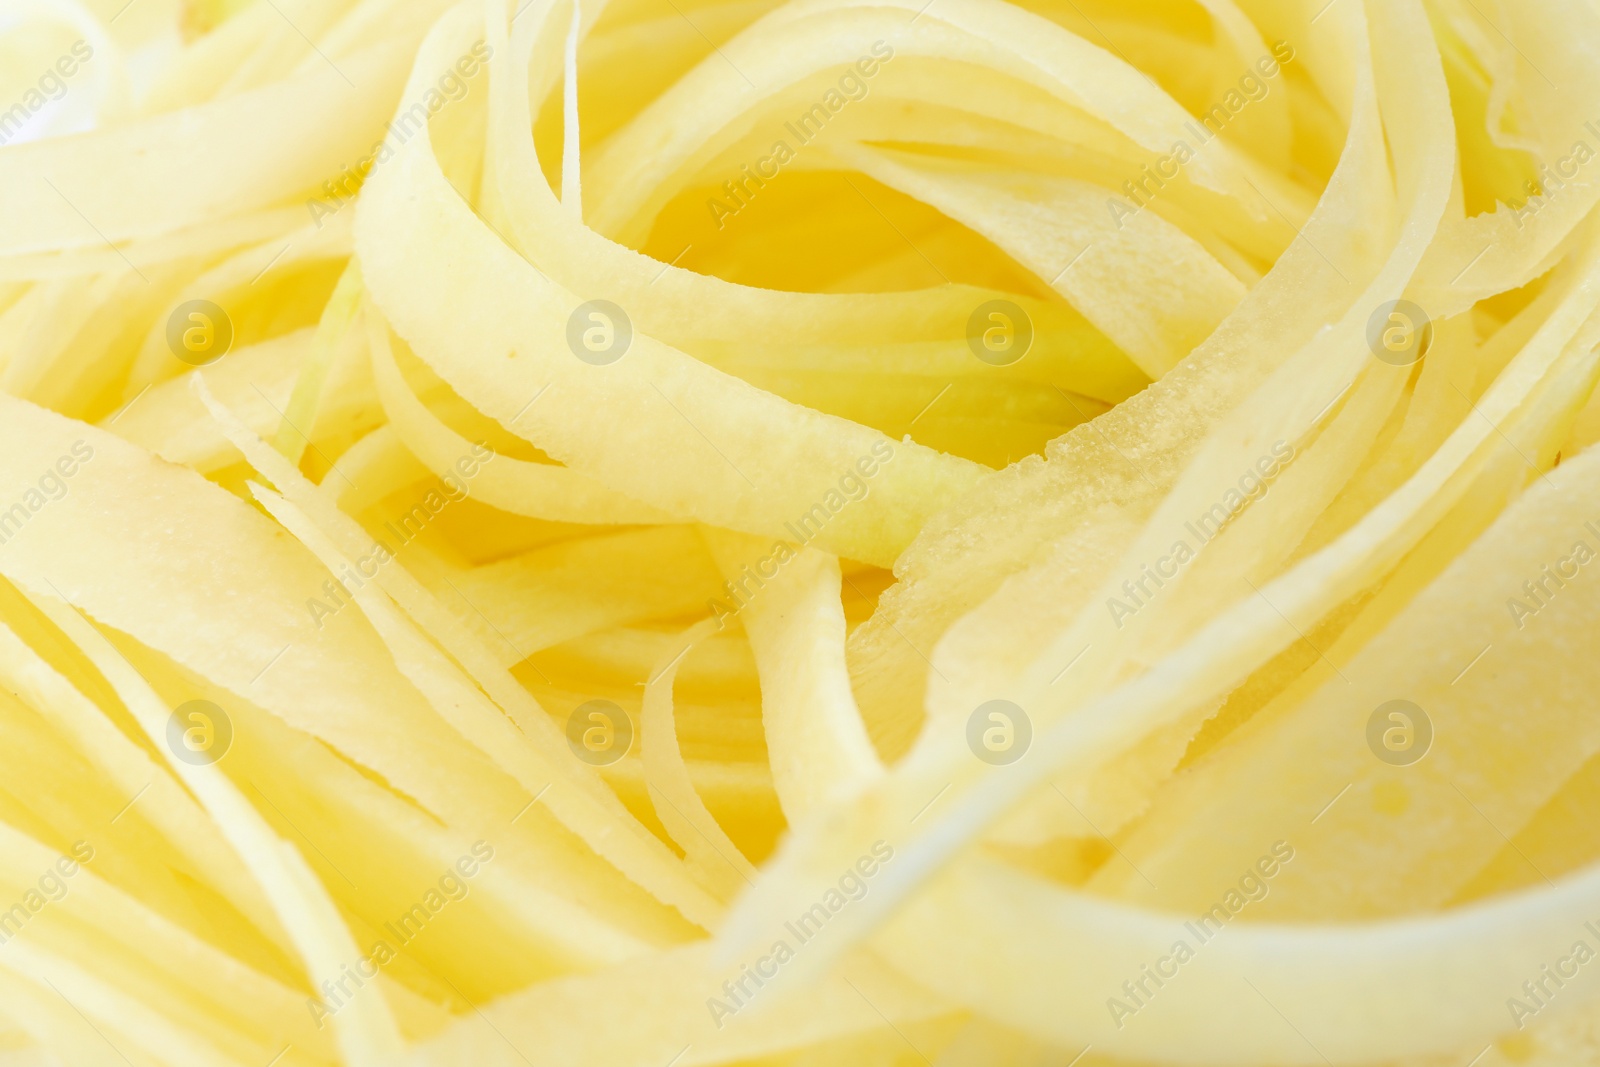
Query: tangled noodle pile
[[799, 532]]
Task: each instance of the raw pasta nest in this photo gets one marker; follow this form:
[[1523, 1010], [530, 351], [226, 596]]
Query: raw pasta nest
[[799, 532]]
